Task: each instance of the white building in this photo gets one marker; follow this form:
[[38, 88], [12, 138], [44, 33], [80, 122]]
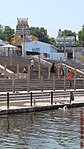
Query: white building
[[47, 51]]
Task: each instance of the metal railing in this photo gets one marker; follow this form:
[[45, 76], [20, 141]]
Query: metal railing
[[32, 99]]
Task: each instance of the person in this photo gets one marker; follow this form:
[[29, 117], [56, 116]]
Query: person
[[32, 62], [24, 70], [64, 70], [69, 75], [71, 96], [52, 70], [61, 72]]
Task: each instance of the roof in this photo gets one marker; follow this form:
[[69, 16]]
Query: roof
[[8, 46], [44, 43]]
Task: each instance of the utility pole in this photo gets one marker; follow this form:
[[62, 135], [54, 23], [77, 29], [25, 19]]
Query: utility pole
[[23, 46], [64, 47]]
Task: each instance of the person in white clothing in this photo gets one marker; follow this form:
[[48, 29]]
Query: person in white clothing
[[32, 62]]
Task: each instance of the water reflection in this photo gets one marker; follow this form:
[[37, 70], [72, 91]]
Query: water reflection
[[42, 130]]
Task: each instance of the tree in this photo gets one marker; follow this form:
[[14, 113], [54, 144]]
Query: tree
[[53, 41], [7, 33], [1, 32], [81, 36], [69, 33], [41, 33]]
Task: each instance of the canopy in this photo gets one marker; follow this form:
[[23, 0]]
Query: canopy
[[9, 46], [9, 49]]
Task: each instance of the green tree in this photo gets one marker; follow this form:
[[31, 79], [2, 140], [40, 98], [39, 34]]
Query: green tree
[[53, 41], [81, 36], [41, 33], [1, 32], [7, 33], [69, 33]]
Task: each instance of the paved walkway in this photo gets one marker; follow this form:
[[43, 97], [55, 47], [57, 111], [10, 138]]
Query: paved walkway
[[40, 103]]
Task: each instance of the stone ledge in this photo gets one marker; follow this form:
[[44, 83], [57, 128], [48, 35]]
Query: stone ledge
[[42, 108]]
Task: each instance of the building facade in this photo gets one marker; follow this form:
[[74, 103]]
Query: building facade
[[47, 51], [67, 45], [63, 40]]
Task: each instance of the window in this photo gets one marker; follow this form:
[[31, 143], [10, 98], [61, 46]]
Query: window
[[36, 50]]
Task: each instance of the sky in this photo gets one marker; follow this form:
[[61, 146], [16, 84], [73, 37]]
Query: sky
[[50, 14]]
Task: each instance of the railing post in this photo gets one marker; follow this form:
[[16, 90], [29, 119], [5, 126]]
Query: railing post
[[65, 83], [48, 72], [17, 71], [60, 60], [13, 83], [39, 71], [29, 71], [7, 101], [31, 98], [5, 71], [28, 79], [11, 59], [53, 83], [75, 79], [58, 71], [28, 84], [51, 97], [42, 83]]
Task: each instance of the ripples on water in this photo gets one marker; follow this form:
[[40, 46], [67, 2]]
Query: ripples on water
[[55, 129]]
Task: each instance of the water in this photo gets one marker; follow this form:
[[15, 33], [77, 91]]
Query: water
[[55, 129]]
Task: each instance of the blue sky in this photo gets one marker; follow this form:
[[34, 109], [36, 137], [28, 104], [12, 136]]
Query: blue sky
[[50, 14]]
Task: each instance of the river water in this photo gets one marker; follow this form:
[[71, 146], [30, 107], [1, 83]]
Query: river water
[[54, 129]]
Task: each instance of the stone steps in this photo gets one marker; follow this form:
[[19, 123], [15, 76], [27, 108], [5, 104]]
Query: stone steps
[[36, 84]]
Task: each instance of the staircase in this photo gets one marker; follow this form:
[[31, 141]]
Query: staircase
[[34, 83]]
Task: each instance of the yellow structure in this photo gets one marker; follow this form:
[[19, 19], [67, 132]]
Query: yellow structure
[[18, 40]]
